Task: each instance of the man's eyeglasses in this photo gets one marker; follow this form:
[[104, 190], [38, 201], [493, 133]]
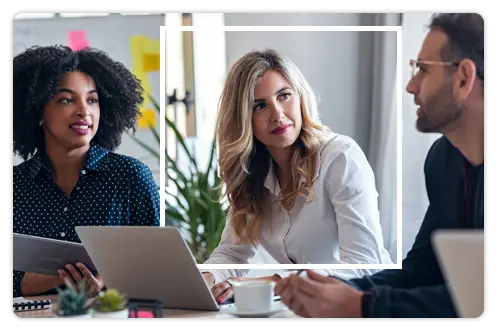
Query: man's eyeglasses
[[415, 65]]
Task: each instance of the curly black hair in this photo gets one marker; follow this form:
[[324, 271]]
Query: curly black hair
[[36, 80]]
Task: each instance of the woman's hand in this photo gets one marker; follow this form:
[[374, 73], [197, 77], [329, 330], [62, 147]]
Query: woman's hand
[[223, 291], [34, 283], [209, 277], [80, 272]]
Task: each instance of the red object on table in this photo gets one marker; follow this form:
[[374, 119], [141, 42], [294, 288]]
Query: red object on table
[[142, 314]]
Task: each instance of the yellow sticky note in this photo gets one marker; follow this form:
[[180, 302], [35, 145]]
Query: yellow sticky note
[[139, 46], [152, 46], [147, 119], [151, 62]]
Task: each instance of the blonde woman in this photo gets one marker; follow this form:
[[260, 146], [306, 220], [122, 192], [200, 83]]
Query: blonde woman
[[303, 193]]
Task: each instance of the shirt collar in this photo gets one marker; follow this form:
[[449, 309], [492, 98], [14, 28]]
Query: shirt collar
[[271, 181], [95, 161]]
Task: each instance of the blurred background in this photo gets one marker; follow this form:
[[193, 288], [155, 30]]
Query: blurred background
[[352, 73]]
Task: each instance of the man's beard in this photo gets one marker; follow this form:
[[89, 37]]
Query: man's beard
[[439, 111]]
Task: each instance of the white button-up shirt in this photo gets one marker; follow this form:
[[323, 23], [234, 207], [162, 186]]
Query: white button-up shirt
[[340, 225]]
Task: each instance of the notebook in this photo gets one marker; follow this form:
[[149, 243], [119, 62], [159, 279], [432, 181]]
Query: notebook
[[21, 304]]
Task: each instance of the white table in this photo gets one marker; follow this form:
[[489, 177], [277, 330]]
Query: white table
[[167, 313]]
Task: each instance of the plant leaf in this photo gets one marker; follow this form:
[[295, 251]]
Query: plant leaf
[[181, 140], [146, 146], [177, 198], [155, 133], [172, 165], [174, 214], [210, 162]]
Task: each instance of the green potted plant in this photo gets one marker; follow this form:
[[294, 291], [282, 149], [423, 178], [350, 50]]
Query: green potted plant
[[195, 200], [72, 301], [110, 304]]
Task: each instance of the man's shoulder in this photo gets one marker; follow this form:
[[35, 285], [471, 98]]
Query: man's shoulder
[[441, 154], [442, 167]]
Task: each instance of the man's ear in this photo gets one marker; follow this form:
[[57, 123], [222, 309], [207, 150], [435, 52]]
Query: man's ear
[[466, 78]]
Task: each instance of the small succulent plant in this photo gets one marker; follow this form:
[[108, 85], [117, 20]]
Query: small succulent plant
[[110, 300], [72, 301]]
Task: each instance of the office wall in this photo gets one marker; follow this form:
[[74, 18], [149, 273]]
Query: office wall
[[111, 34]]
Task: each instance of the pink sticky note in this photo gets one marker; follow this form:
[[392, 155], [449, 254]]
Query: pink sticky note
[[77, 40], [76, 35], [77, 45]]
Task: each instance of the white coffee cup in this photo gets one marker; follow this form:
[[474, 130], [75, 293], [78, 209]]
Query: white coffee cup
[[253, 296]]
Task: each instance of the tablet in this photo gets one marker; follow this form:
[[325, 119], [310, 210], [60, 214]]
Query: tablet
[[45, 256]]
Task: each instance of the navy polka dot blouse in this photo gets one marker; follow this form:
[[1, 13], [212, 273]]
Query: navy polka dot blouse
[[112, 189]]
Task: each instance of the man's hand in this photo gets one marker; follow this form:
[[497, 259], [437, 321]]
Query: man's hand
[[319, 296], [286, 290], [80, 272]]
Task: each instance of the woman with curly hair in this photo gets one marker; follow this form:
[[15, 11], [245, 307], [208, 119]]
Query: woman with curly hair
[[302, 192], [70, 111]]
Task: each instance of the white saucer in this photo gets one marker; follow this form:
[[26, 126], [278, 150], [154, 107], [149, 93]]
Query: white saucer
[[276, 307]]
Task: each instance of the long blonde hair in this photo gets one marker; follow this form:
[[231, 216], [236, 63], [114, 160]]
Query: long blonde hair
[[244, 161]]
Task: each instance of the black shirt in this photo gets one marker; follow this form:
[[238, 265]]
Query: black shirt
[[419, 288], [470, 179]]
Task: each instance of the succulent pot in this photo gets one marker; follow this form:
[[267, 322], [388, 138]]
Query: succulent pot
[[85, 315], [111, 314]]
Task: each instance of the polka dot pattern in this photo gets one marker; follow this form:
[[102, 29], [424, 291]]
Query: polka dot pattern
[[112, 189]]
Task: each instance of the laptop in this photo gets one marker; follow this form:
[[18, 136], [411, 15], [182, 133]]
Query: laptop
[[147, 262], [461, 256]]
